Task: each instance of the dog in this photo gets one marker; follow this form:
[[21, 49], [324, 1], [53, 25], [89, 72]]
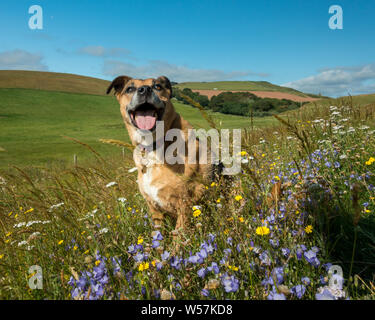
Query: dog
[[170, 189]]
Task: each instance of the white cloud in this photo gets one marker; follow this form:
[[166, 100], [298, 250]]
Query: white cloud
[[100, 51], [176, 73], [338, 81], [21, 60]]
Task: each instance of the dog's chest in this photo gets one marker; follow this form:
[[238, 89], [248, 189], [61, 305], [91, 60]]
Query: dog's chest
[[149, 186]]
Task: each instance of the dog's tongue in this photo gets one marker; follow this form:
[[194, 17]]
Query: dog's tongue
[[145, 120]]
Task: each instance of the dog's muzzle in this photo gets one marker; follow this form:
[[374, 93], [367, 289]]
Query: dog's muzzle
[[146, 110]]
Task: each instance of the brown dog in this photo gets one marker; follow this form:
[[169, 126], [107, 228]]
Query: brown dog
[[167, 188]]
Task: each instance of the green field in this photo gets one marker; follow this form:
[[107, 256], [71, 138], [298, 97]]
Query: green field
[[33, 123]]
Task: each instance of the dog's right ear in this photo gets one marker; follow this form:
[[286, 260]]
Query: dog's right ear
[[118, 84]]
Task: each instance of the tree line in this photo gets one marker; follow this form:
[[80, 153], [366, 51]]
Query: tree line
[[238, 103]]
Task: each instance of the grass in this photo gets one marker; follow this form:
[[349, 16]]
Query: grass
[[307, 199], [33, 123]]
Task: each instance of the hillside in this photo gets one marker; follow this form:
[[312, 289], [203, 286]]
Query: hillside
[[65, 82], [242, 86], [52, 81]]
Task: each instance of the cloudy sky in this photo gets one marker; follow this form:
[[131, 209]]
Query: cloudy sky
[[284, 42]]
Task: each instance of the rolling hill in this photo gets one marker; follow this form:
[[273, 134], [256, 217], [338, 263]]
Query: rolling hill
[[63, 82]]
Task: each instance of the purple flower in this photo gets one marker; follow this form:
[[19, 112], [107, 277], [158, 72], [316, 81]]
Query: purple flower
[[157, 236], [285, 252], [176, 263], [306, 280], [165, 255], [274, 243], [311, 258], [231, 284], [205, 292], [298, 290], [214, 267], [229, 240], [193, 259], [274, 295], [264, 258], [155, 243], [201, 272], [139, 257], [325, 295]]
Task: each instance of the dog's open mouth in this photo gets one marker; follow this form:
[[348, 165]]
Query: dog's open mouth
[[144, 117]]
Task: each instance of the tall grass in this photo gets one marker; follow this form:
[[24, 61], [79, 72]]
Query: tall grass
[[306, 201]]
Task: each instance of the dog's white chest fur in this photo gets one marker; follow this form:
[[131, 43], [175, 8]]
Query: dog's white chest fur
[[148, 188]]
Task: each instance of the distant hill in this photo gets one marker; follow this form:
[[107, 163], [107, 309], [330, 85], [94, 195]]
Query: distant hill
[[66, 82], [242, 86], [52, 81]]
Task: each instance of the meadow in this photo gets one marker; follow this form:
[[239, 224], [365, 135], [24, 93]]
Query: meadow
[[306, 202], [34, 123]]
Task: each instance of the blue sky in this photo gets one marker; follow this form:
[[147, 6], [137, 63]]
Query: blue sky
[[283, 42]]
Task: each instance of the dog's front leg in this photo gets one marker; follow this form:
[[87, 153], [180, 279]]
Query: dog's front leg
[[157, 218]]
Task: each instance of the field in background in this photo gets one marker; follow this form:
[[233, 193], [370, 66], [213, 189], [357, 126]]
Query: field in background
[[241, 86], [33, 123]]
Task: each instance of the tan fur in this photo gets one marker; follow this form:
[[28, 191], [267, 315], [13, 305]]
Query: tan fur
[[168, 189]]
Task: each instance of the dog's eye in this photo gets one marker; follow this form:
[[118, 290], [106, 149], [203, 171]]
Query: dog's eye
[[130, 89], [157, 87]]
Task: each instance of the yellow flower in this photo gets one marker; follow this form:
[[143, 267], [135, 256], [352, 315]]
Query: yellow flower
[[143, 266], [309, 229], [197, 213], [8, 234], [234, 268], [262, 231], [30, 210], [218, 200], [87, 251], [226, 231], [241, 219], [370, 161], [153, 262], [1, 256], [60, 242], [213, 184], [243, 153], [367, 211], [238, 198], [108, 216], [277, 178], [140, 240], [97, 262], [75, 248], [10, 213]]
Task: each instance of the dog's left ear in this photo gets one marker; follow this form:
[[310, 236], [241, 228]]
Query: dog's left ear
[[166, 83], [118, 84]]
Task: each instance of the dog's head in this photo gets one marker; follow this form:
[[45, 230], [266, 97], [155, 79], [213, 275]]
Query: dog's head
[[143, 102]]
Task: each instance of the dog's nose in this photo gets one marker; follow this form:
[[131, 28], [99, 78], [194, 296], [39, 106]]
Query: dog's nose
[[144, 90]]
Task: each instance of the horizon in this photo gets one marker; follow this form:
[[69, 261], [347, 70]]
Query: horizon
[[197, 41]]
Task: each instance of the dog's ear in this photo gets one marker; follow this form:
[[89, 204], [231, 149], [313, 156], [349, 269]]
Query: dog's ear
[[118, 84], [166, 83]]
